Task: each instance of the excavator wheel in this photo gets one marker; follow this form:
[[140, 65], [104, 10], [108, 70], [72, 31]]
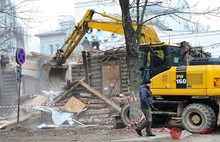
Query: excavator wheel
[[197, 118], [125, 115], [213, 115]]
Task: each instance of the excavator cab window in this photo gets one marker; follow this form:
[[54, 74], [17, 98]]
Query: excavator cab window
[[159, 59], [153, 61], [175, 56]]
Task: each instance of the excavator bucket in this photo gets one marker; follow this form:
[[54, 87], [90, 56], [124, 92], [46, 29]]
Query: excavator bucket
[[56, 74]]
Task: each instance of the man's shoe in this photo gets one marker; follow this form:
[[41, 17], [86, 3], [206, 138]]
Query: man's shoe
[[138, 132], [151, 135]]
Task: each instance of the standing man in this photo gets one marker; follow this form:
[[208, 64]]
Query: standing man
[[86, 44], [95, 42], [146, 99]]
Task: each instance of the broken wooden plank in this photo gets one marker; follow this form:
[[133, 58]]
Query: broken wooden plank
[[29, 115], [98, 111], [96, 106], [86, 95], [64, 94], [74, 105], [98, 94], [92, 100]]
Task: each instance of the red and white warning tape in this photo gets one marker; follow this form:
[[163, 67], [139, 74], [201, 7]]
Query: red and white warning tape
[[130, 127], [132, 99], [29, 106]]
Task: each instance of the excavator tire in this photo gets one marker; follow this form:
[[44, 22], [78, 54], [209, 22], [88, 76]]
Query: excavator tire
[[213, 115], [125, 114], [197, 118]]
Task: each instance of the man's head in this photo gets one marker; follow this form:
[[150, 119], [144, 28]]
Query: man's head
[[147, 83]]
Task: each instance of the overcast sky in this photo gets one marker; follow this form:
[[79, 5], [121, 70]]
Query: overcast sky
[[50, 9], [202, 5]]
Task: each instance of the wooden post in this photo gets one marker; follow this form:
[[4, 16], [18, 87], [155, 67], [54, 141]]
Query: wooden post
[[85, 63]]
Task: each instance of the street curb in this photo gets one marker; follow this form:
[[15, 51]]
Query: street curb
[[158, 138]]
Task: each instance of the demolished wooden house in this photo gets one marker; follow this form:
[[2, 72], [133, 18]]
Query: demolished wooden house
[[106, 77], [101, 79]]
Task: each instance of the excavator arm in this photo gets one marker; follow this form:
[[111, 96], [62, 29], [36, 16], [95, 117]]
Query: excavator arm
[[115, 25]]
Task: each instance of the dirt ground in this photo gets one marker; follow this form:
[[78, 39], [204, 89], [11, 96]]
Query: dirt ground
[[67, 133], [93, 133], [99, 133]]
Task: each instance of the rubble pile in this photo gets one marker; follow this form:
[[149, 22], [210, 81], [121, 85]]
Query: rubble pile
[[53, 102]]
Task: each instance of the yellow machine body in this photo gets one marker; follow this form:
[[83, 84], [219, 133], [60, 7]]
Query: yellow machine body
[[203, 80]]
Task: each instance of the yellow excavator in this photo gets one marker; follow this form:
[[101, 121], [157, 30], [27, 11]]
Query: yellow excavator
[[114, 25], [185, 81]]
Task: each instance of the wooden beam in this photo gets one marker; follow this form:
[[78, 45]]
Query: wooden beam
[[64, 94], [86, 67], [86, 95], [104, 98], [98, 111], [29, 115]]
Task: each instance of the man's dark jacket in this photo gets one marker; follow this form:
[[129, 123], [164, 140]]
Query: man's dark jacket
[[145, 96]]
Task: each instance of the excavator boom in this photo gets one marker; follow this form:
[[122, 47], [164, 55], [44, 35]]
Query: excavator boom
[[113, 25]]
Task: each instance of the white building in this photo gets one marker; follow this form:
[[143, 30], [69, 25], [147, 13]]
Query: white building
[[50, 41], [11, 32]]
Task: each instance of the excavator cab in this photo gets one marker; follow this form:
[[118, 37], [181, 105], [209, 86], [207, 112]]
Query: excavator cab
[[157, 58]]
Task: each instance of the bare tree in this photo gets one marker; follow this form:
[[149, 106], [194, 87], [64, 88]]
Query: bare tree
[[14, 17], [132, 36]]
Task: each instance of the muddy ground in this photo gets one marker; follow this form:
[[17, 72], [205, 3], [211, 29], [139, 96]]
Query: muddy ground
[[93, 133], [100, 133], [67, 133]]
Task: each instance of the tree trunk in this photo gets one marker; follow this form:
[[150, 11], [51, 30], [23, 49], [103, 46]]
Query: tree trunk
[[132, 59], [135, 81]]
